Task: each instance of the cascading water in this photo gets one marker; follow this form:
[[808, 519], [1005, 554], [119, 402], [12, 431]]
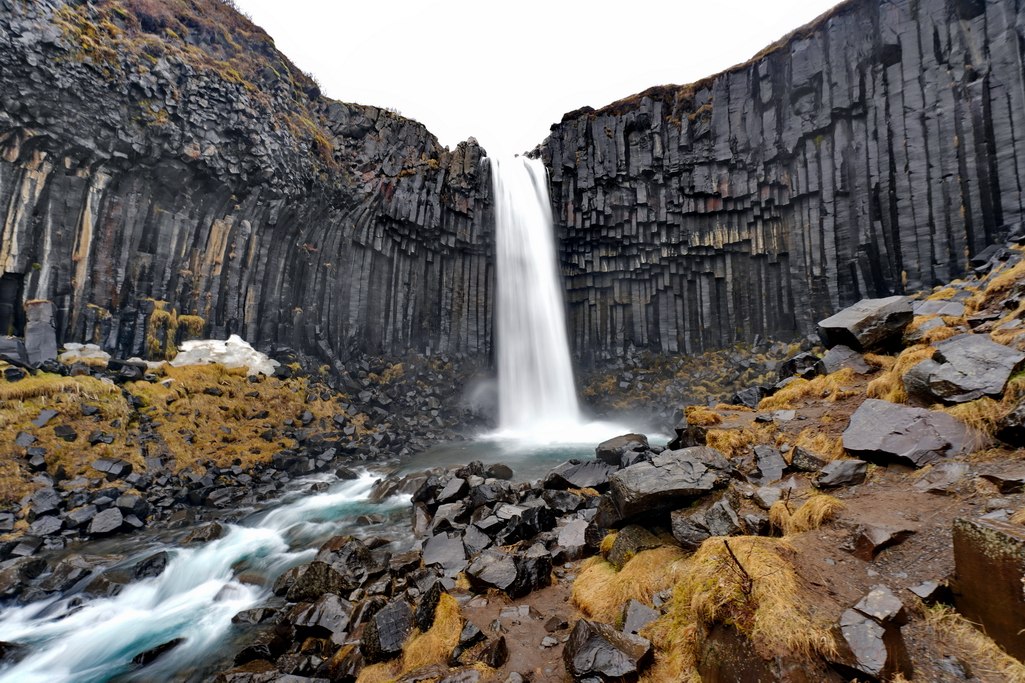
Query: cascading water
[[535, 376]]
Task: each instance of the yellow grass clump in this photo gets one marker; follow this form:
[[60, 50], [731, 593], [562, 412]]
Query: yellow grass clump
[[606, 544], [1018, 517], [944, 294], [46, 385], [700, 416], [812, 514], [988, 660], [600, 592], [983, 414], [889, 386], [832, 387], [998, 286], [747, 582], [737, 441], [825, 446]]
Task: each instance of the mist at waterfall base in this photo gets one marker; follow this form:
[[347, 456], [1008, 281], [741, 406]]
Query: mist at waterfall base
[[73, 638], [537, 396]]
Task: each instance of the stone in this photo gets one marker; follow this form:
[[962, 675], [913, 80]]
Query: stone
[[498, 471], [597, 650], [749, 396], [447, 552], [152, 566], [495, 653], [841, 473], [40, 332], [65, 433], [883, 605], [516, 575], [867, 325], [870, 539], [880, 431], [386, 631], [112, 468], [426, 608], [154, 653], [24, 440], [964, 368], [575, 474], [804, 365], [631, 540], [841, 357], [770, 463], [47, 525], [942, 477], [989, 568], [1012, 481], [328, 616], [875, 650], [44, 417], [572, 541], [205, 533], [611, 452], [637, 615], [106, 522], [651, 487], [803, 460], [692, 526]]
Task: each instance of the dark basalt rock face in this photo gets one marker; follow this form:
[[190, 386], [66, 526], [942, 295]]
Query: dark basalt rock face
[[868, 154], [247, 200]]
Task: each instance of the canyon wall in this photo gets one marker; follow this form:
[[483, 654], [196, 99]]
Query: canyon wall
[[165, 173], [870, 152]]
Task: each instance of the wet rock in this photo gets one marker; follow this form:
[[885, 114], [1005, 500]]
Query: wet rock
[[611, 452], [881, 431], [267, 645], [692, 526], [841, 473], [804, 365], [651, 487], [873, 538], [69, 571], [883, 605], [867, 325], [154, 653], [204, 534], [446, 551], [65, 433], [112, 468], [498, 471], [598, 651], [989, 559], [964, 368], [152, 566], [495, 654], [770, 463], [47, 525], [17, 572], [631, 540], [589, 474], [326, 617], [386, 631], [803, 460], [637, 615], [106, 522]]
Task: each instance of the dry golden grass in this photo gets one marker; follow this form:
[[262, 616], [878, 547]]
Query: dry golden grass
[[1018, 517], [998, 285], [606, 544], [738, 441], [944, 294], [756, 590], [45, 385], [831, 387], [197, 427], [983, 414], [812, 514], [889, 386], [733, 408], [988, 661], [880, 361], [700, 416], [600, 592], [825, 446]]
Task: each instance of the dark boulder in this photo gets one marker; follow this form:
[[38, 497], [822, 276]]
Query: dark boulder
[[495, 653], [152, 566], [446, 551], [667, 480], [964, 368], [154, 653], [576, 474], [770, 463], [611, 452], [597, 651], [637, 615], [868, 324], [692, 526], [629, 541], [881, 431], [1011, 427], [871, 648], [841, 473], [386, 631], [112, 468], [516, 575], [427, 607], [326, 617], [842, 357], [804, 365], [106, 522]]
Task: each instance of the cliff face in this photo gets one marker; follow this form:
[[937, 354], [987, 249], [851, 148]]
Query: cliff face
[[166, 173], [870, 152]]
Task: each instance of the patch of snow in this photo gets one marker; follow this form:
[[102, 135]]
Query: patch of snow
[[82, 352], [233, 353]]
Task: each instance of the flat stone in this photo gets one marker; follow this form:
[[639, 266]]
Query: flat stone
[[611, 452], [868, 324], [24, 440], [841, 473], [964, 368], [842, 357], [942, 477], [883, 605], [47, 525], [590, 474], [873, 538], [881, 431], [44, 417], [597, 650], [878, 651], [770, 463], [445, 551], [106, 522], [637, 615], [386, 631]]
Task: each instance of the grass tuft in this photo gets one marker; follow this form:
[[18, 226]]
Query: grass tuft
[[738, 441], [435, 646], [600, 592], [812, 514], [832, 387], [700, 416], [988, 660], [889, 386], [825, 446]]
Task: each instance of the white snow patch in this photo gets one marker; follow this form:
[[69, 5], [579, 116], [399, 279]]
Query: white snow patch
[[82, 352], [233, 353]]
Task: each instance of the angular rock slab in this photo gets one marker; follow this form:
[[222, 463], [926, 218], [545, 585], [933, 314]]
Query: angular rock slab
[[658, 485], [868, 324], [874, 649], [386, 631], [964, 368], [989, 561], [597, 650], [612, 451], [881, 431]]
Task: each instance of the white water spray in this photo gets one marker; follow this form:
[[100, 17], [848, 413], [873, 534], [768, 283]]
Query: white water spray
[[535, 376]]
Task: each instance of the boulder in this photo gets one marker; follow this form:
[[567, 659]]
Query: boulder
[[386, 631], [106, 522], [804, 365], [873, 538], [40, 332], [867, 325], [328, 616], [872, 649], [1011, 427], [611, 452], [666, 481], [881, 431], [445, 551], [989, 560], [637, 615], [629, 541], [770, 463], [691, 527], [516, 575], [841, 473], [575, 474], [842, 357], [964, 368], [597, 651]]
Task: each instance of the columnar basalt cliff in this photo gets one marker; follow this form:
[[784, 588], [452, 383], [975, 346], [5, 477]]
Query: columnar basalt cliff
[[165, 157], [870, 152]]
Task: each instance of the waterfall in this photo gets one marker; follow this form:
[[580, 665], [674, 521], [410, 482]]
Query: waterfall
[[535, 376]]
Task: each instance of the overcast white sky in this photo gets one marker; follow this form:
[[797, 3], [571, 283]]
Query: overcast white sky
[[503, 72]]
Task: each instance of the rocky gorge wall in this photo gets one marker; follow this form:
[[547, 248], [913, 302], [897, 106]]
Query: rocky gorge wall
[[870, 152], [166, 173]]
